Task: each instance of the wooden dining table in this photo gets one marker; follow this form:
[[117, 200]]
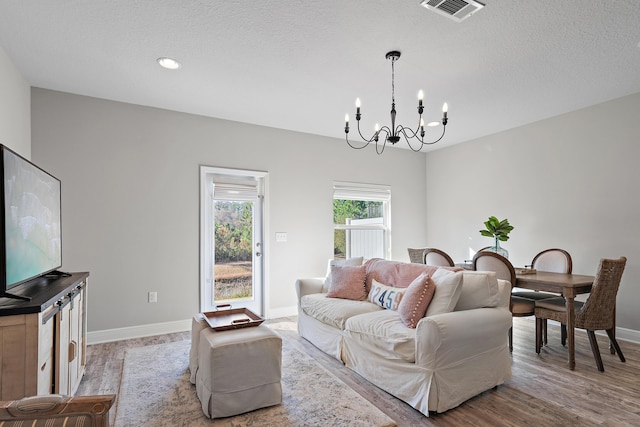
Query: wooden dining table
[[568, 285]]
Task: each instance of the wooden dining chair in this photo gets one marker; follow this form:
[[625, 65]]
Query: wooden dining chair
[[554, 260], [416, 255], [597, 313], [491, 261], [57, 410], [437, 257]]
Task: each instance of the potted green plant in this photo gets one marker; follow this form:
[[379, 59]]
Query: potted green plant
[[499, 231]]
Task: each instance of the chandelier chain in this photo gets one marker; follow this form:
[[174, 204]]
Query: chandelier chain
[[393, 81]]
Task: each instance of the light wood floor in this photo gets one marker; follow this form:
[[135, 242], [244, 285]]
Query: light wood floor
[[542, 392]]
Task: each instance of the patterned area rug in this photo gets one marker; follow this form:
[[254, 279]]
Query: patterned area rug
[[155, 391]]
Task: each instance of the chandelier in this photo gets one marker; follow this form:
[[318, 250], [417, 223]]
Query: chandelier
[[391, 134]]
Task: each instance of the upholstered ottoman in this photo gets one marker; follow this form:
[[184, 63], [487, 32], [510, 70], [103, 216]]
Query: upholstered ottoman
[[238, 370], [197, 325]]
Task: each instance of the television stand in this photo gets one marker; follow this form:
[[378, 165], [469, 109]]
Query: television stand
[[43, 345], [14, 296]]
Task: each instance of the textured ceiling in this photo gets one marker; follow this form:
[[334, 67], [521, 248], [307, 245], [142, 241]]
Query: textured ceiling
[[299, 65]]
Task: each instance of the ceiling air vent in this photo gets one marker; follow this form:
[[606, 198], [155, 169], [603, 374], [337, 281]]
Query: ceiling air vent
[[458, 10]]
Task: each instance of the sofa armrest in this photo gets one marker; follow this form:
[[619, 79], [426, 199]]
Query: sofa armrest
[[308, 286], [505, 293], [450, 338]]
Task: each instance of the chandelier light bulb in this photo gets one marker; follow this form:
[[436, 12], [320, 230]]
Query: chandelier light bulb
[[420, 95], [346, 118], [357, 102], [445, 108], [377, 127]]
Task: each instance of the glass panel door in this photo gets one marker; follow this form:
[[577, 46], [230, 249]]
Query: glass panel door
[[231, 233], [237, 255]]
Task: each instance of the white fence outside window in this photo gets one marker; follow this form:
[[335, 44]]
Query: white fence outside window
[[367, 243]]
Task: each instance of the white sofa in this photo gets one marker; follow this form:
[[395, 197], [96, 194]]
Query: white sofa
[[447, 359]]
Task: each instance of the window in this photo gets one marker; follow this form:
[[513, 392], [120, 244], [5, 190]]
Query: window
[[361, 220]]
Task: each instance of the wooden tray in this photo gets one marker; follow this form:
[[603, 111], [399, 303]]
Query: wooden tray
[[526, 271], [231, 318]]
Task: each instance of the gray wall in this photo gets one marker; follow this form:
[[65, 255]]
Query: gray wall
[[570, 181], [15, 108], [130, 182]]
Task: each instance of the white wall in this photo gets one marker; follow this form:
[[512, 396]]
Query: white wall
[[571, 181], [130, 183], [15, 108]]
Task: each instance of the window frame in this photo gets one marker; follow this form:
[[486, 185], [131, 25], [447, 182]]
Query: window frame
[[343, 190]]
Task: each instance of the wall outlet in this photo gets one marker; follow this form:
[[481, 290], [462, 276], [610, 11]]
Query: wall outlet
[[152, 297]]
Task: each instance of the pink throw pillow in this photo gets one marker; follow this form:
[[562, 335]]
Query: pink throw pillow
[[416, 299], [348, 282]]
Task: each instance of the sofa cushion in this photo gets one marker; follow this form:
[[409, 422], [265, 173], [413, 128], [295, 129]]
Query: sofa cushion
[[383, 333], [348, 282], [416, 299], [448, 288], [395, 273], [388, 297], [479, 289], [342, 262], [334, 311]]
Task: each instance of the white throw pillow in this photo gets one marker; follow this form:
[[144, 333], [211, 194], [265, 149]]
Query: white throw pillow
[[448, 287], [479, 289], [388, 297], [356, 261]]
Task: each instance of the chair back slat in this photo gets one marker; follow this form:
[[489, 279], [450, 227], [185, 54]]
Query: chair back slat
[[598, 312]]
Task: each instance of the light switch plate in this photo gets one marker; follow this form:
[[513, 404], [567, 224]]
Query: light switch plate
[[281, 237]]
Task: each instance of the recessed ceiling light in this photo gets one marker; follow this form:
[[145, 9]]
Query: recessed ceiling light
[[169, 63]]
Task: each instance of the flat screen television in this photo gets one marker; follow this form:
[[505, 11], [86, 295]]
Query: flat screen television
[[30, 226]]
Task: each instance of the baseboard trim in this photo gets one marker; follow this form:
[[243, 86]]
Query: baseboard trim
[[627, 335], [623, 334], [109, 335], [276, 313], [130, 332]]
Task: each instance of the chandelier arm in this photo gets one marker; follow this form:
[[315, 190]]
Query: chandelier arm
[[353, 146], [385, 130], [366, 139], [403, 130], [444, 129]]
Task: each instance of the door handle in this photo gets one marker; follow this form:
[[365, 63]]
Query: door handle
[[258, 253]]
